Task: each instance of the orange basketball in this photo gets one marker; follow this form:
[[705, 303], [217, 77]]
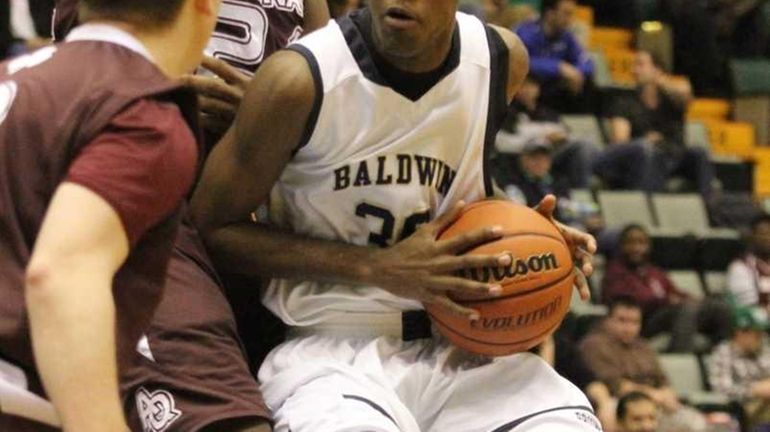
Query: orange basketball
[[537, 286]]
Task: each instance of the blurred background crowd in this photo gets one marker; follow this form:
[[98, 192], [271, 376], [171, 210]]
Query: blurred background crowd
[[650, 120]]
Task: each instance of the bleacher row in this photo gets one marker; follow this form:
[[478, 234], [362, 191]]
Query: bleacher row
[[734, 131]]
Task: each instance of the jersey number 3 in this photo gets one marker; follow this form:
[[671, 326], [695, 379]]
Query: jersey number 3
[[387, 233]]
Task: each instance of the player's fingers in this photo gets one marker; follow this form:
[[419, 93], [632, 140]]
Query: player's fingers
[[223, 70], [586, 261], [214, 87], [455, 309], [455, 263], [581, 283], [442, 222], [444, 284], [217, 107], [547, 206], [471, 239]]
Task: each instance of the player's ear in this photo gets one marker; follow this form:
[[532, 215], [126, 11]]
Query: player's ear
[[207, 7]]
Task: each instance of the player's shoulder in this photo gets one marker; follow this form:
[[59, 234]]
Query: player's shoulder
[[510, 39]]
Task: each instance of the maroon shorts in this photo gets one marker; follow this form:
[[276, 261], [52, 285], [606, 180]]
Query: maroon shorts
[[192, 371]]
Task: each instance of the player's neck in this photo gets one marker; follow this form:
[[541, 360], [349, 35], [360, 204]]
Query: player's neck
[[427, 61], [173, 62]]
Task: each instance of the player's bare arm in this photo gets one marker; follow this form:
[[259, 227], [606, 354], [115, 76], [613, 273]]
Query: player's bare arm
[[316, 15], [68, 291], [583, 245], [243, 168]]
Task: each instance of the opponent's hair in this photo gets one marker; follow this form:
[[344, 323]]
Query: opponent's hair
[[630, 398], [144, 13], [625, 301], [552, 4]]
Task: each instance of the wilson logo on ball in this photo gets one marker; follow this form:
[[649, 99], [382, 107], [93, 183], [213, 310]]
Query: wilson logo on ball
[[518, 267], [518, 320]]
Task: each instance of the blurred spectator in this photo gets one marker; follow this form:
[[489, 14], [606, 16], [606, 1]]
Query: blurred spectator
[[647, 135], [637, 412], [530, 120], [622, 360], [340, 8], [616, 13], [562, 354], [740, 367], [748, 278], [665, 307], [743, 27], [556, 58]]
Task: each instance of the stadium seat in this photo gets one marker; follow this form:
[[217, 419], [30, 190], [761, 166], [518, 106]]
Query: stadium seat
[[755, 110], [584, 196], [696, 135], [708, 109], [716, 282], [602, 76], [621, 65], [610, 37], [688, 282], [674, 252], [621, 208], [585, 14], [715, 254], [686, 213], [732, 138], [750, 76], [584, 127], [686, 376], [762, 172], [735, 175]]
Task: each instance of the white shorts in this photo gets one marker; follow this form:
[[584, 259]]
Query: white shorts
[[323, 383]]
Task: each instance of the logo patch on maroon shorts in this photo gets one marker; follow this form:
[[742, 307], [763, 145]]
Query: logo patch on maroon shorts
[[157, 409]]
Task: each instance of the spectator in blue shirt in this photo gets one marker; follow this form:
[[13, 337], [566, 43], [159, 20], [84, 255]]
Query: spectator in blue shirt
[[556, 58]]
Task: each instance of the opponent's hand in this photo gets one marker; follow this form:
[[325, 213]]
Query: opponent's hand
[[424, 268], [220, 95], [582, 246]]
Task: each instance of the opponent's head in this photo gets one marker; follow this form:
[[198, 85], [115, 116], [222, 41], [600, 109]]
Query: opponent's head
[[187, 23], [637, 413], [624, 321], [558, 15], [635, 245], [409, 30]]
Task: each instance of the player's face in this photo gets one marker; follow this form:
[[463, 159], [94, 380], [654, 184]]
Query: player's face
[[636, 246], [641, 416], [625, 323], [760, 239], [410, 28]]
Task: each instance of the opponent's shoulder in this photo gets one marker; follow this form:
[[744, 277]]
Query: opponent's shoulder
[[518, 58]]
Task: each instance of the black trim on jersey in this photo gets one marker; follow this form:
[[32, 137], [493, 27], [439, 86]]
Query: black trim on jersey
[[498, 100], [357, 29], [510, 426], [379, 409], [312, 119]]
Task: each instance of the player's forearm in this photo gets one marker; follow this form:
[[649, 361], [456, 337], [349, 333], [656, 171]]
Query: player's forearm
[[260, 250], [72, 321]]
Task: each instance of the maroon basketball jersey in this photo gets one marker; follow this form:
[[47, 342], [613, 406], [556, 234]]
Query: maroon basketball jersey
[[247, 32], [53, 103]]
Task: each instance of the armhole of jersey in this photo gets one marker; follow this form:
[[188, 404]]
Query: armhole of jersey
[[498, 104], [514, 424], [312, 119]]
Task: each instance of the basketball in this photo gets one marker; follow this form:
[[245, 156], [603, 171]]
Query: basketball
[[537, 286]]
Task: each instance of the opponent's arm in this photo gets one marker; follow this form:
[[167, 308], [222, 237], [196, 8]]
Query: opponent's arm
[[68, 290], [316, 15], [245, 165]]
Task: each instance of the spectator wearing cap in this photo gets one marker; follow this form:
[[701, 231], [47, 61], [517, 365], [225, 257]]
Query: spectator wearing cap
[[740, 367], [748, 278], [531, 120], [556, 58]]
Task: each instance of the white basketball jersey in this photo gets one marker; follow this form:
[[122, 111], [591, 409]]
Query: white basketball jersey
[[377, 164]]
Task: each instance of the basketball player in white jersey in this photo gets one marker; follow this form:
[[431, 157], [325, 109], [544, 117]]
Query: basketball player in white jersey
[[374, 130]]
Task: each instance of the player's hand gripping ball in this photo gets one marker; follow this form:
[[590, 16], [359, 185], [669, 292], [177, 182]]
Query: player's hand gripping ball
[[537, 285]]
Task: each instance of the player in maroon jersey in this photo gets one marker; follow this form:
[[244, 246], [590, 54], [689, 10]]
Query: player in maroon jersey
[[97, 152]]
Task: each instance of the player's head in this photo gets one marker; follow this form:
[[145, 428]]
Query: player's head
[[647, 67], [409, 30], [186, 24], [558, 14], [760, 236], [624, 320], [637, 412], [634, 245]]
